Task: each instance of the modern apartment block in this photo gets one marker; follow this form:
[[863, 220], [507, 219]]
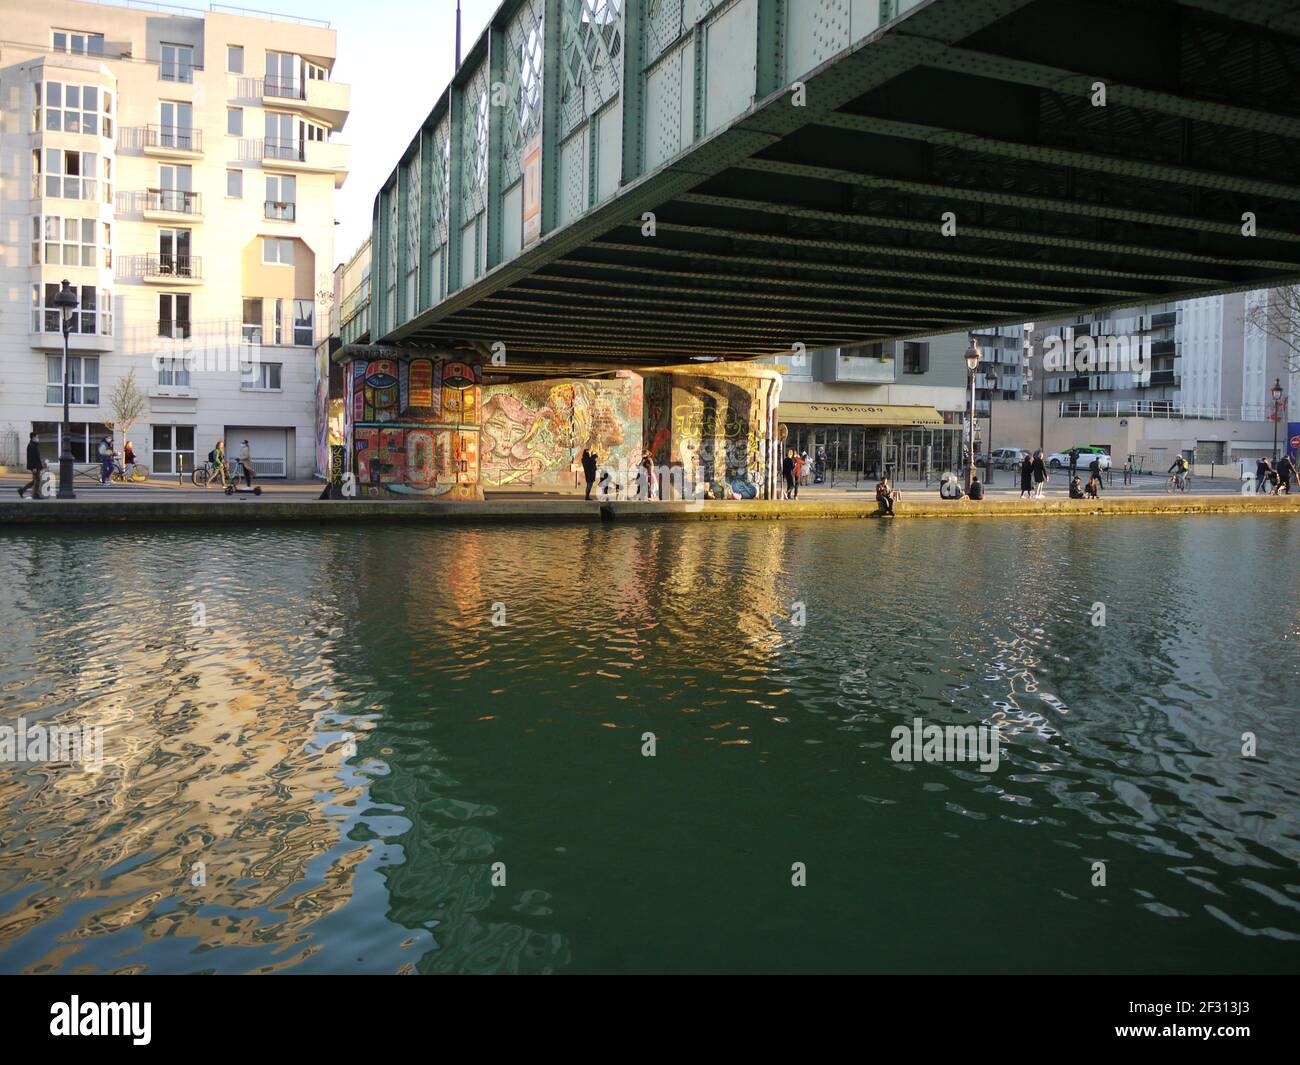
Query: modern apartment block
[[178, 168]]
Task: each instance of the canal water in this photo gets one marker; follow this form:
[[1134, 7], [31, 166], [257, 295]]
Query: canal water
[[425, 750]]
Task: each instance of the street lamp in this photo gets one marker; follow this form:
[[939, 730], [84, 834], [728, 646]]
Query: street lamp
[[1277, 411], [972, 362], [66, 302]]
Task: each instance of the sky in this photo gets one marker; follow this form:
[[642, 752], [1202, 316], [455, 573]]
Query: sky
[[397, 55]]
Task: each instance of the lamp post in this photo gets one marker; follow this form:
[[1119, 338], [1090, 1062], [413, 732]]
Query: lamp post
[[1277, 412], [972, 363], [988, 444], [66, 301]]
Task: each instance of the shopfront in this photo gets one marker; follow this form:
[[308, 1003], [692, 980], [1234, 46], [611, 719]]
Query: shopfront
[[859, 441]]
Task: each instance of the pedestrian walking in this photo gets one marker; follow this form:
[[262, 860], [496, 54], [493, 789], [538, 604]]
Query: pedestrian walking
[[1262, 470], [35, 466], [1040, 474], [245, 458], [787, 472], [648, 465], [1026, 477], [128, 458], [798, 473], [105, 452], [588, 470], [1285, 471]]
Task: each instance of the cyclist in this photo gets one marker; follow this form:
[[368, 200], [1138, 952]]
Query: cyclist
[[1179, 469]]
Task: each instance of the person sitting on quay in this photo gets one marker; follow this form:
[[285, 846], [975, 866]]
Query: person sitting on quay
[[1093, 489], [1076, 488], [976, 489], [885, 495]]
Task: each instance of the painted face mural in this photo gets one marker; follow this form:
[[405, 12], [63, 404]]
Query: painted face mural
[[380, 391]]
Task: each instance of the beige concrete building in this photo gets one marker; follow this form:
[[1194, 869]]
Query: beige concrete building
[[178, 167]]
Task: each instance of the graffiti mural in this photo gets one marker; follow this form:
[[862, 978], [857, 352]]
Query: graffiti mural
[[715, 422], [534, 433], [414, 424]]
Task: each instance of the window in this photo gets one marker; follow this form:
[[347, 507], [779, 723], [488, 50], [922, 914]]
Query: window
[[278, 336], [277, 250], [235, 183], [173, 448], [71, 175], [281, 196], [282, 77], [74, 108], [280, 142], [916, 358], [66, 241], [252, 330], [234, 121], [303, 310], [175, 185], [174, 317], [177, 62], [76, 42], [173, 373], [83, 380], [234, 58], [94, 311], [177, 125], [174, 252], [261, 377]]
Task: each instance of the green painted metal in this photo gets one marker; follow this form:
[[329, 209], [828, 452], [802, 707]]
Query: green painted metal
[[913, 109]]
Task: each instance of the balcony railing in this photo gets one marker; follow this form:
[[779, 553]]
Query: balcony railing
[[186, 266], [176, 71], [177, 201], [175, 330], [291, 150], [281, 212], [284, 88], [180, 138]]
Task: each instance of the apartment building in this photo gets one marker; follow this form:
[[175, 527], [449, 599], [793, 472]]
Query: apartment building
[[178, 168]]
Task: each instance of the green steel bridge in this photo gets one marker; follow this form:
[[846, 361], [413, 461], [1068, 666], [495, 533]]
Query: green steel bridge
[[610, 183]]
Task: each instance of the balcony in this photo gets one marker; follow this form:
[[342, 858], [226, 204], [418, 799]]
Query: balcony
[[1164, 318], [163, 142], [277, 211], [170, 205], [164, 269], [310, 157], [328, 101], [1161, 378]]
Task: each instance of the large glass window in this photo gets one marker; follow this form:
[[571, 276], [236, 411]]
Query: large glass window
[[281, 197], [174, 252], [67, 241], [74, 108], [83, 380], [94, 313], [280, 141], [173, 373], [277, 250], [176, 127], [252, 330], [173, 448], [71, 175], [303, 314], [78, 42], [177, 62], [174, 315], [282, 75], [261, 377]]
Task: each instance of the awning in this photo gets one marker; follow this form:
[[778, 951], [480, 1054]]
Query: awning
[[868, 414]]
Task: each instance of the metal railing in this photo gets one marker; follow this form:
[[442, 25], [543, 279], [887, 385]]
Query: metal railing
[[177, 201], [279, 211], [1158, 409], [251, 12], [186, 266], [181, 138], [277, 149], [175, 330]]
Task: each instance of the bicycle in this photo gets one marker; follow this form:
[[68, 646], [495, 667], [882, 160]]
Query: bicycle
[[207, 474], [137, 475], [1175, 484]]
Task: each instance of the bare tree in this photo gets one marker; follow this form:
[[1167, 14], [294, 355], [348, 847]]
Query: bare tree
[[127, 403], [1277, 316]]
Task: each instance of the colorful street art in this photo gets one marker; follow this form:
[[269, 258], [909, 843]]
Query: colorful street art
[[414, 426], [535, 432]]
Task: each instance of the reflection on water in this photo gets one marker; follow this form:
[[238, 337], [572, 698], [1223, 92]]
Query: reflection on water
[[321, 754]]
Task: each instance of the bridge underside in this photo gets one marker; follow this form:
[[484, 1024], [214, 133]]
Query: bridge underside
[[823, 224]]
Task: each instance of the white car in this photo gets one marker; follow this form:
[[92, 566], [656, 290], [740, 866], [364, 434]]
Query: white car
[[1061, 459]]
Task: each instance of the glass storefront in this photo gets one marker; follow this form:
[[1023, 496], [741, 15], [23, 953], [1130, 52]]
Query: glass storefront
[[857, 453]]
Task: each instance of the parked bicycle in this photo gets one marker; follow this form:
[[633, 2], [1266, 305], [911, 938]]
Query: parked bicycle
[[209, 474]]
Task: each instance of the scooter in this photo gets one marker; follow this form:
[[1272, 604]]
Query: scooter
[[233, 487]]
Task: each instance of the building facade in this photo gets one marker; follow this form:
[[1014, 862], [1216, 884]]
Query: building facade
[[178, 169]]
